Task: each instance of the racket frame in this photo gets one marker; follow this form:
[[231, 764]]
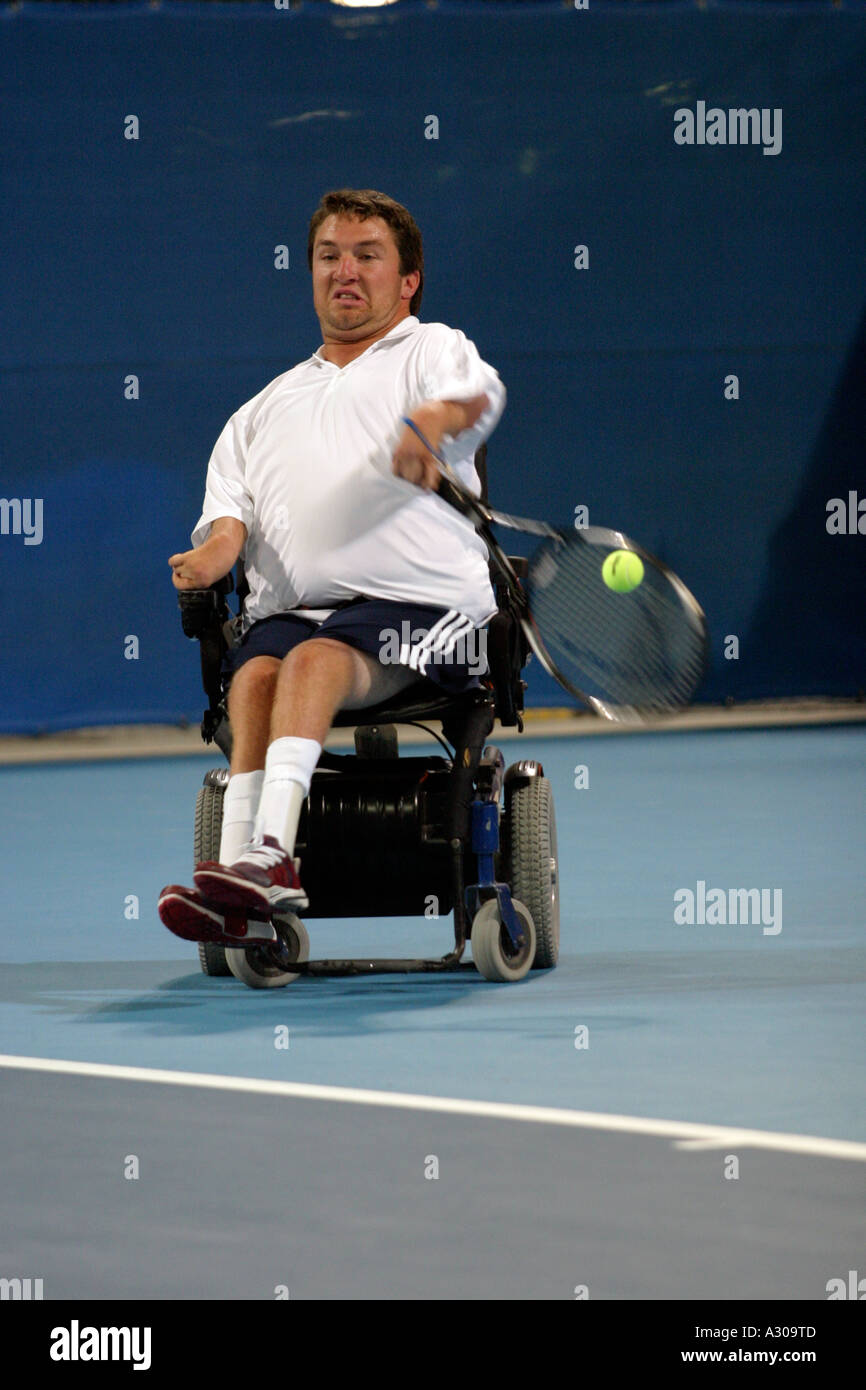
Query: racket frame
[[455, 494]]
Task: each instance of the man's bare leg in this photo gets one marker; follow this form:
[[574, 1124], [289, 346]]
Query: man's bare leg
[[322, 676], [251, 698], [293, 701], [316, 679]]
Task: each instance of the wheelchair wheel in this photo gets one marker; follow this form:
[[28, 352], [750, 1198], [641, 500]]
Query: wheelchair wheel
[[491, 944], [208, 828], [531, 866], [266, 967]]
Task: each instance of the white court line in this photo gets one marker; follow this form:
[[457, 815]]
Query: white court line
[[690, 1136]]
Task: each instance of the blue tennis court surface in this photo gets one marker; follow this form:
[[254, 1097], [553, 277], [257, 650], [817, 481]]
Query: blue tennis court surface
[[753, 1024], [726, 1024]]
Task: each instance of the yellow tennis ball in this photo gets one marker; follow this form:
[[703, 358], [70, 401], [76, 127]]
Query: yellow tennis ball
[[622, 571]]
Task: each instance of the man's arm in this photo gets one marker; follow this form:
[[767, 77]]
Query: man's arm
[[434, 419], [456, 416], [199, 568]]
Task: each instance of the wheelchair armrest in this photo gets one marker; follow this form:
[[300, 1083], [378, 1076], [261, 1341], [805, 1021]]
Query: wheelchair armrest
[[507, 654], [205, 616], [203, 610], [520, 565]]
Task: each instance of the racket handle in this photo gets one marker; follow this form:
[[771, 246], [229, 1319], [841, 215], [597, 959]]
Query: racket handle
[[449, 494]]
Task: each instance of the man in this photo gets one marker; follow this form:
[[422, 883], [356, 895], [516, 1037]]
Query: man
[[330, 497]]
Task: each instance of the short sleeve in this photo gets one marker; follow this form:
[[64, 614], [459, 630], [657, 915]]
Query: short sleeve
[[226, 492], [455, 372]]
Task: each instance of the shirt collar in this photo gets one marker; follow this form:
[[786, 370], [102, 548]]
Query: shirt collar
[[400, 330]]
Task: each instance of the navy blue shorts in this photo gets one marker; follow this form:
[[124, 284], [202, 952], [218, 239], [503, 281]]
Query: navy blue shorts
[[441, 644]]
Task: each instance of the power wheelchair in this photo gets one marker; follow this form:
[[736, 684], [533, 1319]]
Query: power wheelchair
[[385, 835]]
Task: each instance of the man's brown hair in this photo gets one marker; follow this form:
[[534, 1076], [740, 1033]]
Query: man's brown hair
[[364, 203]]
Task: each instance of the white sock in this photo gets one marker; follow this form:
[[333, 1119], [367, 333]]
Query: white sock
[[289, 769], [240, 803]]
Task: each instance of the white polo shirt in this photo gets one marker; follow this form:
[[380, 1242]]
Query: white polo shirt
[[306, 466]]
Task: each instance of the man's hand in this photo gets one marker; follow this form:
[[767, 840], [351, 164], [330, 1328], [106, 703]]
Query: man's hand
[[411, 460], [434, 419], [194, 569], [199, 568]]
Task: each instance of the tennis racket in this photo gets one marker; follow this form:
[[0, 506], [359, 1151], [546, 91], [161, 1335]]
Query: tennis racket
[[626, 656]]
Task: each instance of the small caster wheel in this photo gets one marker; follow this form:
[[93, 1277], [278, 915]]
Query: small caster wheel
[[212, 958], [492, 950], [268, 966]]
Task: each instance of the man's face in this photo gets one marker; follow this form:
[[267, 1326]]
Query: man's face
[[357, 286]]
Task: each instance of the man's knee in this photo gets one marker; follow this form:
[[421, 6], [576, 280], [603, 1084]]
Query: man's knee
[[315, 650], [257, 677], [319, 661], [349, 673]]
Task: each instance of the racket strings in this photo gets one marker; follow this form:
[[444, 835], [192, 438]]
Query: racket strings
[[644, 649]]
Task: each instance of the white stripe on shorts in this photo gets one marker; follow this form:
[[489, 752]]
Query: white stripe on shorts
[[441, 639], [411, 655]]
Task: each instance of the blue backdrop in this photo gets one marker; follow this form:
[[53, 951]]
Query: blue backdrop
[[155, 257]]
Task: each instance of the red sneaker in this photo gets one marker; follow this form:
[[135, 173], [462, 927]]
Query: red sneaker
[[265, 881], [185, 913]]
